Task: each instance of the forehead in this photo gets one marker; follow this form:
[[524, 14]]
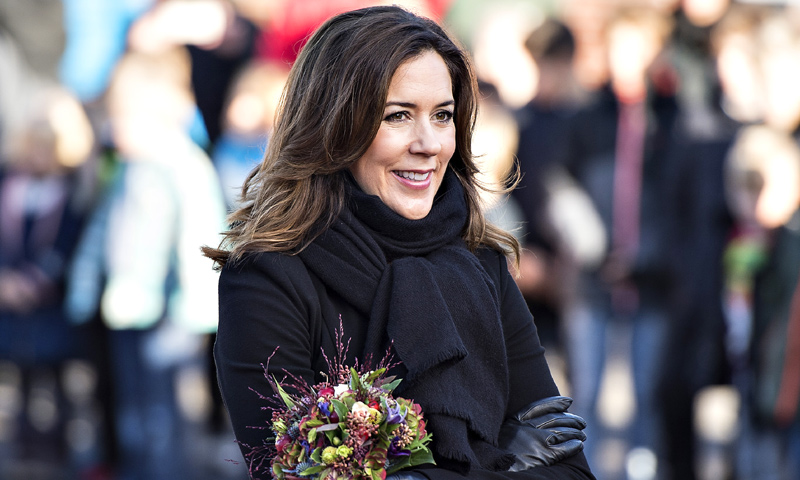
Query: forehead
[[423, 75]]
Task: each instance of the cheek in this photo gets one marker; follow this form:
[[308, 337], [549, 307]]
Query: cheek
[[365, 173], [386, 148], [448, 144], [369, 170]]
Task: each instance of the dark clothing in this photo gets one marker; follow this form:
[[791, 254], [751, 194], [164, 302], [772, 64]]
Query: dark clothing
[[701, 231], [702, 227], [39, 227], [543, 137], [541, 151], [213, 72], [272, 301], [592, 161], [775, 287], [388, 260]]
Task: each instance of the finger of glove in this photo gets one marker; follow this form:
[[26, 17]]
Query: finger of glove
[[519, 437], [539, 454], [553, 420], [564, 435], [532, 450], [560, 451], [544, 406]]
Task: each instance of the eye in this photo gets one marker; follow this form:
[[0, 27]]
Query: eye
[[396, 116], [443, 116]]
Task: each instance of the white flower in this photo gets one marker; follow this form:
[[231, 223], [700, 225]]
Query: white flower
[[340, 389], [361, 407]]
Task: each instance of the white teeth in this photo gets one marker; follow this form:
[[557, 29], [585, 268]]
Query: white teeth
[[417, 177]]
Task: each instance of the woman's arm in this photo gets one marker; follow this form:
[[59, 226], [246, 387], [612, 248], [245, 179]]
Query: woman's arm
[[529, 374], [266, 312]]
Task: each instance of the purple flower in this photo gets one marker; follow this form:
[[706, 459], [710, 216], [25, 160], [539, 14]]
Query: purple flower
[[325, 408], [394, 415], [395, 451]]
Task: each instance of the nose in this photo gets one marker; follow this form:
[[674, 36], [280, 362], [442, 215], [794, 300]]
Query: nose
[[426, 141]]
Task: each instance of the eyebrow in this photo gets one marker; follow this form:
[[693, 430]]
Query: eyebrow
[[414, 105]]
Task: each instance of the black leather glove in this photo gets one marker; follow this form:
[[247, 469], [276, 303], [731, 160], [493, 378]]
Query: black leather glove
[[403, 475], [543, 433]]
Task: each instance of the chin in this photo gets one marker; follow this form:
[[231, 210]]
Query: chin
[[414, 213]]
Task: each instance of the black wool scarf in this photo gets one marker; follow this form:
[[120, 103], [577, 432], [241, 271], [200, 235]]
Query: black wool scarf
[[425, 292]]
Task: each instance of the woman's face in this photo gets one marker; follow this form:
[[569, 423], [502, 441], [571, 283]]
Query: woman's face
[[406, 161]]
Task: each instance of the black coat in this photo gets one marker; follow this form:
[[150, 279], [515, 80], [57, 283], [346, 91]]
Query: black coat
[[272, 300]]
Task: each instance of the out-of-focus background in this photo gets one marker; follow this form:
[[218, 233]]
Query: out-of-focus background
[[658, 146]]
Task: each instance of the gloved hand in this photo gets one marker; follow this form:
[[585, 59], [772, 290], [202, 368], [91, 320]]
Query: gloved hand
[[404, 475], [543, 433]]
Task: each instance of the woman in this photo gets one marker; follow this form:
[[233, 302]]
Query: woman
[[365, 209]]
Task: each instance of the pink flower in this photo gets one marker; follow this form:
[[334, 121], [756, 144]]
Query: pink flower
[[282, 443]]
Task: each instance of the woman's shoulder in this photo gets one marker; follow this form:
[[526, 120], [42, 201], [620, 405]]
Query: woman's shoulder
[[274, 267], [491, 258], [495, 263], [261, 260]]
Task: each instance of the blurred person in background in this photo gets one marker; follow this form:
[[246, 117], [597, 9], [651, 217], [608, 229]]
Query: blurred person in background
[[220, 41], [763, 177], [619, 154], [718, 89], [138, 263], [42, 212], [220, 36], [735, 51], [762, 260], [736, 47], [558, 217], [690, 50]]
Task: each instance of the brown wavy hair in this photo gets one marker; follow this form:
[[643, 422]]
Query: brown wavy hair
[[330, 111]]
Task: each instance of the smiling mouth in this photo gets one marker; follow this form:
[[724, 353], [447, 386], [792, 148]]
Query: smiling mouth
[[413, 176]]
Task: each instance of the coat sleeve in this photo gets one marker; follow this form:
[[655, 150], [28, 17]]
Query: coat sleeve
[[266, 312]]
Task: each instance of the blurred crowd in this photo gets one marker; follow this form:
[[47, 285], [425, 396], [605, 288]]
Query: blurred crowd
[[658, 149]]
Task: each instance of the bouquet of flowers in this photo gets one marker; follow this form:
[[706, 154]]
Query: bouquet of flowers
[[347, 427]]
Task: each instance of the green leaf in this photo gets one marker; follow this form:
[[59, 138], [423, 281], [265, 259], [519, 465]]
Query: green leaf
[[312, 471], [392, 385], [374, 375], [379, 474], [284, 396], [316, 455], [420, 442], [355, 380], [333, 437], [340, 408], [312, 435], [421, 457]]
